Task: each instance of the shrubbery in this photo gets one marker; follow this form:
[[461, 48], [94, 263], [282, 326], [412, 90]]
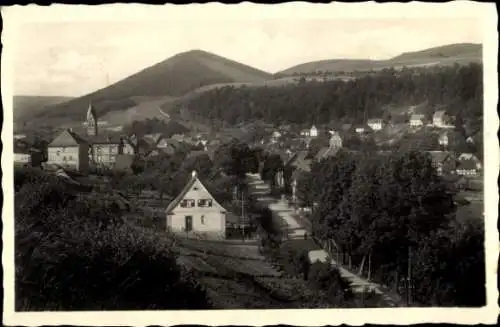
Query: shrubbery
[[395, 212], [70, 256]]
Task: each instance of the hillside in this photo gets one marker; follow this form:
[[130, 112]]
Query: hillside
[[461, 53], [173, 77], [26, 105]]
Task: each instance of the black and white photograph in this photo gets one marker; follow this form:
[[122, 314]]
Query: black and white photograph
[[189, 161]]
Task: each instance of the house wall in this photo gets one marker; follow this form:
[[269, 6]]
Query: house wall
[[443, 140], [442, 121], [313, 132], [105, 154], [377, 126], [209, 223], [68, 156], [466, 172], [127, 149], [22, 157], [416, 123]]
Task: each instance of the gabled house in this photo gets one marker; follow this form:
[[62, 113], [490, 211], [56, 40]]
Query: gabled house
[[362, 128], [313, 131], [69, 150], [444, 162], [471, 157], [417, 120], [443, 139], [104, 149], [335, 140], [22, 155], [441, 119], [467, 167], [196, 212], [376, 124]]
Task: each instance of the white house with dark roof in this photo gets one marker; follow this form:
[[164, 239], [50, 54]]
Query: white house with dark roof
[[441, 119], [195, 212], [376, 124], [69, 150], [467, 167], [417, 120]]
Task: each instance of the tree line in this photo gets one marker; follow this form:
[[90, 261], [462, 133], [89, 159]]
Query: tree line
[[459, 88], [392, 217]]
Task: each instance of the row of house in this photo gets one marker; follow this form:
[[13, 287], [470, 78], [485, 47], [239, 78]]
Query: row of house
[[92, 148], [440, 119], [447, 163]]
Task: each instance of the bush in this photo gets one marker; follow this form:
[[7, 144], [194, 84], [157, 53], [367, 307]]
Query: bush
[[73, 256]]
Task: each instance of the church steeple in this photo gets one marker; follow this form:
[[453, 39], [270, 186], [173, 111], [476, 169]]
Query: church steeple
[[91, 120]]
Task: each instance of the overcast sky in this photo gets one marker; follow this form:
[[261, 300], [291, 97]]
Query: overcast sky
[[78, 57]]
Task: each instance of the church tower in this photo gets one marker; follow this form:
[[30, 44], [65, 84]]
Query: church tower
[[91, 121]]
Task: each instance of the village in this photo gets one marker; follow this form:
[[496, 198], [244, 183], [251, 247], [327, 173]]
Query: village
[[93, 158], [94, 148], [171, 177]]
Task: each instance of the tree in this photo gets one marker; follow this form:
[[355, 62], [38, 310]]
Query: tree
[[236, 158], [272, 165], [79, 254]]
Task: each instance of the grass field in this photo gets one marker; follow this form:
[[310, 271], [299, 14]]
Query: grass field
[[237, 276]]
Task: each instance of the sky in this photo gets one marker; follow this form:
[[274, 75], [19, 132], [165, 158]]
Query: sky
[[76, 57]]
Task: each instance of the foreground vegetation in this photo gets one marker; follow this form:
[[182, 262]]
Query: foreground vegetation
[[73, 256], [395, 212]]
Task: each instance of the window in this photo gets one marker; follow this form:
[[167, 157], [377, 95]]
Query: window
[[205, 203], [64, 158], [203, 220], [187, 203], [70, 157], [58, 153]]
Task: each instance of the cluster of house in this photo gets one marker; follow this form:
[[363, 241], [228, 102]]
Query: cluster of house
[[95, 148], [448, 163], [440, 119]]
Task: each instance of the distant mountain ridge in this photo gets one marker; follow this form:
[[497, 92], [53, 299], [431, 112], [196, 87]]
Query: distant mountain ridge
[[27, 104], [168, 83], [447, 54], [175, 76]]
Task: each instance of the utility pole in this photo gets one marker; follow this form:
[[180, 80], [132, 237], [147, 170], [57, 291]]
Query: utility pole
[[243, 215], [409, 281]]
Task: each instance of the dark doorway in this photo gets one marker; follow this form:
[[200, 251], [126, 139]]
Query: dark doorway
[[188, 223]]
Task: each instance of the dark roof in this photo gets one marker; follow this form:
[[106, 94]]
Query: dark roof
[[187, 187], [440, 156], [467, 164], [67, 138], [104, 139], [198, 153]]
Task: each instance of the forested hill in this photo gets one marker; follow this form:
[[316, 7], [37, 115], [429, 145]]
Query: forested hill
[[457, 87], [462, 53], [175, 76]]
